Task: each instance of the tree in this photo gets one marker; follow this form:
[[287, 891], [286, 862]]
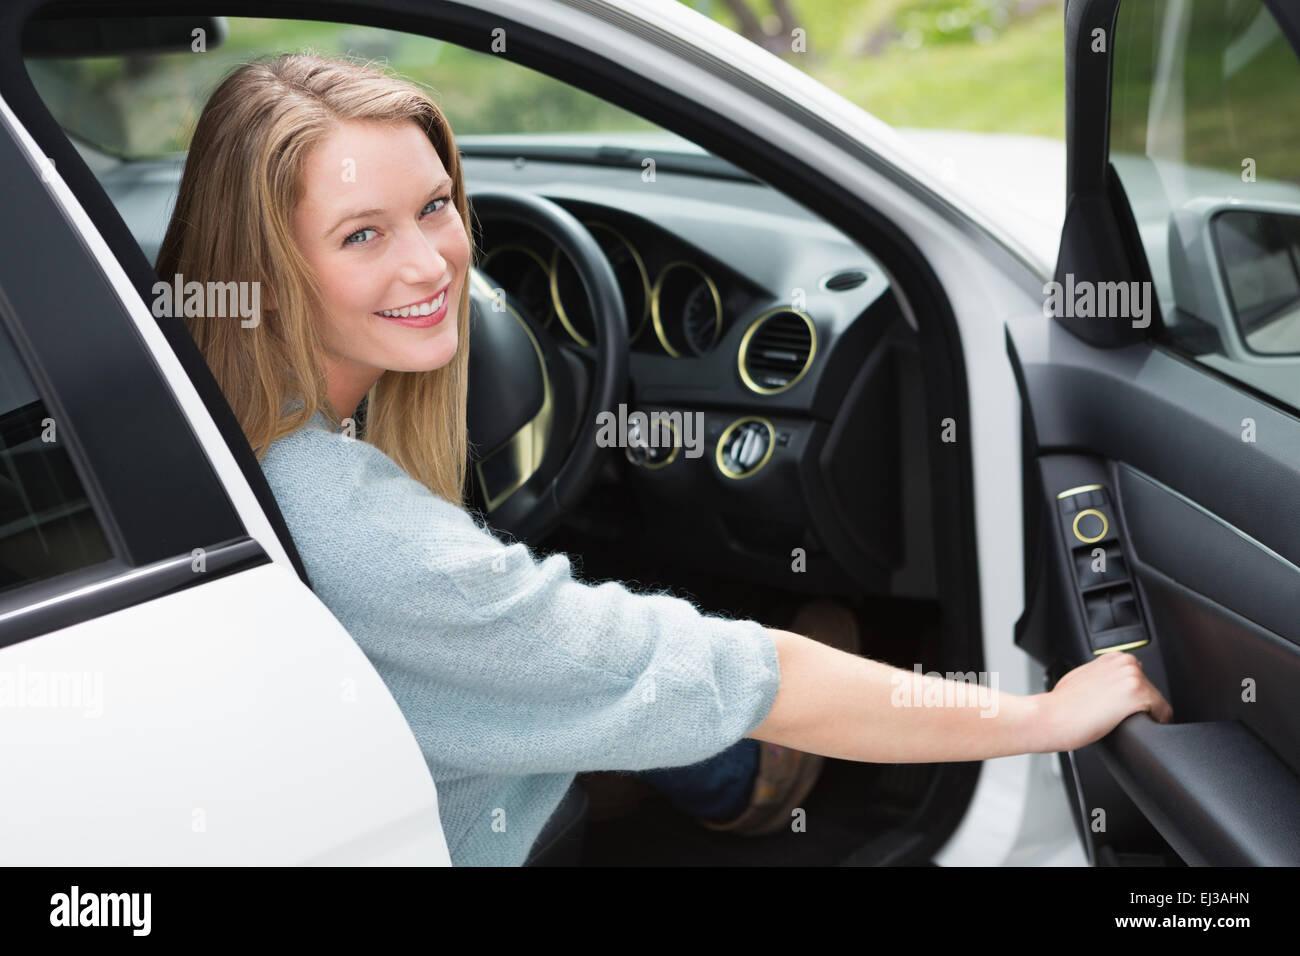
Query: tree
[[751, 27]]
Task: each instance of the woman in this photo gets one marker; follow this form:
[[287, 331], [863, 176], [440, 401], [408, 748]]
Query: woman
[[339, 189]]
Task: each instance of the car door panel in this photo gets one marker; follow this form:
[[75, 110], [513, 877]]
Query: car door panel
[[1237, 572], [1212, 789], [1190, 557], [233, 723], [1206, 552]]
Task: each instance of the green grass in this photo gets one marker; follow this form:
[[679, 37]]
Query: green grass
[[1231, 114], [1014, 83]]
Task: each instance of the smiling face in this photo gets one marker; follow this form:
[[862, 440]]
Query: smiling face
[[378, 225]]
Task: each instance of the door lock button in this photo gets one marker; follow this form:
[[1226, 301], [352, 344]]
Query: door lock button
[[1090, 525]]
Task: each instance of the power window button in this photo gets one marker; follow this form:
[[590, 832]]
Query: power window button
[[1101, 616], [1085, 496]]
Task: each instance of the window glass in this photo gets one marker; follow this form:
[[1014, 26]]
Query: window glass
[[146, 104], [1201, 137], [47, 525]]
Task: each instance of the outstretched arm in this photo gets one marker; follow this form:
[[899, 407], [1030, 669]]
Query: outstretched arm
[[841, 705]]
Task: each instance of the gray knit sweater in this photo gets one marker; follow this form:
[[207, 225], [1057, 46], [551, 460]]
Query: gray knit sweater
[[512, 674]]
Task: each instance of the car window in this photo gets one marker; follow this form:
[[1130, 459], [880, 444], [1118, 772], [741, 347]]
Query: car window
[[131, 116], [146, 104], [47, 525], [1201, 138]]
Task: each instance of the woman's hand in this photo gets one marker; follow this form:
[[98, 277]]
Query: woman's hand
[[1087, 703], [841, 705]]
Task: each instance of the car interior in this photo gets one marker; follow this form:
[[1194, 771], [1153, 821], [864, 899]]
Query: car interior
[[801, 464]]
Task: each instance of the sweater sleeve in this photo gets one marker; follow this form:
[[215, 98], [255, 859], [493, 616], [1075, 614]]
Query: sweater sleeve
[[502, 662]]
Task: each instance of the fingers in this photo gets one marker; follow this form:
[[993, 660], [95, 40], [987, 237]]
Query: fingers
[[1121, 666], [1161, 709], [1153, 702]]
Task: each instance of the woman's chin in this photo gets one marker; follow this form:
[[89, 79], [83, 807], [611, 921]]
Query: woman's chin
[[434, 356]]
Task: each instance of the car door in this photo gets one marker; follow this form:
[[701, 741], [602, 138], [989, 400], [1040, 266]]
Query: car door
[[170, 692], [1162, 453]]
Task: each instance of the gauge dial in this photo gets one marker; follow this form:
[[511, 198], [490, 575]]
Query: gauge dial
[[525, 276], [687, 309], [571, 297], [699, 319], [630, 269]]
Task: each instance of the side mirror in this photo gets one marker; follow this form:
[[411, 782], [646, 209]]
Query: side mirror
[[1236, 266], [1259, 253]]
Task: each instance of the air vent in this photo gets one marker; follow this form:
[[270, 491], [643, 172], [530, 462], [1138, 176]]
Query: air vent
[[745, 446], [777, 350], [846, 280]]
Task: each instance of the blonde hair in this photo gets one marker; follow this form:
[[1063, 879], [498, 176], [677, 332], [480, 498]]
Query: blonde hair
[[243, 178]]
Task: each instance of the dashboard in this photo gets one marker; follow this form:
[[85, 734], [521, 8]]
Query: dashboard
[[679, 299], [766, 338], [714, 272]]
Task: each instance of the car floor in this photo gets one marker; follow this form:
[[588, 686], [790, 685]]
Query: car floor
[[851, 804]]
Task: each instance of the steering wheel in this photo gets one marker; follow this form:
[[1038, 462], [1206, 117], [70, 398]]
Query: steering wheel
[[533, 403]]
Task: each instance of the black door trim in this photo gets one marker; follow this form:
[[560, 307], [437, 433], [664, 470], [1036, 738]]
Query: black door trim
[[89, 593]]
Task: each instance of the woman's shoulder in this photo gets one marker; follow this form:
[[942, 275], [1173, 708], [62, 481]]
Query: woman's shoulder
[[358, 518], [319, 473], [305, 451]]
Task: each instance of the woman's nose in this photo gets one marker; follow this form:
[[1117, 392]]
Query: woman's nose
[[422, 261]]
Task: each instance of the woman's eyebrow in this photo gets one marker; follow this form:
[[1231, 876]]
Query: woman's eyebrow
[[374, 212]]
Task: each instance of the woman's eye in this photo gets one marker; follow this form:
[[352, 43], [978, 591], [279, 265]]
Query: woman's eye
[[441, 199], [348, 240]]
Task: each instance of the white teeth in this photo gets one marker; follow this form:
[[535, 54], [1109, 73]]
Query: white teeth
[[427, 308]]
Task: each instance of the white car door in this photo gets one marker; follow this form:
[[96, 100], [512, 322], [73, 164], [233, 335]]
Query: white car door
[[171, 691]]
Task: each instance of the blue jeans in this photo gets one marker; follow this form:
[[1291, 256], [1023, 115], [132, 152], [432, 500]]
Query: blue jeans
[[718, 788]]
